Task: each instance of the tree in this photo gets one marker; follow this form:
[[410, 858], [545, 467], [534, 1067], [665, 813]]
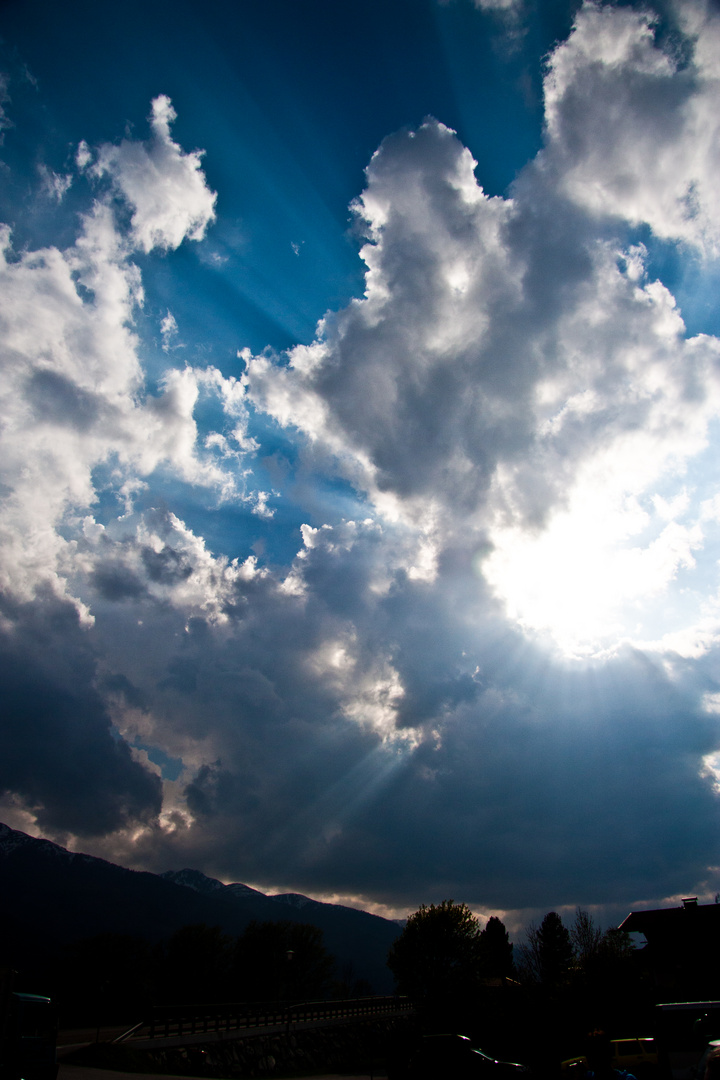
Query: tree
[[437, 956], [547, 953], [496, 952], [617, 944], [348, 984], [282, 960], [587, 939], [196, 965]]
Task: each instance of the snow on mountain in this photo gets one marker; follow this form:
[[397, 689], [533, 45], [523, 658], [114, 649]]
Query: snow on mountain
[[194, 879], [237, 890], [12, 840], [201, 883], [294, 899]]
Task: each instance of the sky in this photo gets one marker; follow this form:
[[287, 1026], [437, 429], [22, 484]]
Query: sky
[[359, 445]]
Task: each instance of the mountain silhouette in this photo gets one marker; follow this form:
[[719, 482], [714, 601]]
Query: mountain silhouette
[[51, 898]]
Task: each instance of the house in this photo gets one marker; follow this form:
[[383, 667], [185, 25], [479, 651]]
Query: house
[[682, 954]]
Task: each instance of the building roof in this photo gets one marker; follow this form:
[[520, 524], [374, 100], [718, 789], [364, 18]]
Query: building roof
[[690, 917]]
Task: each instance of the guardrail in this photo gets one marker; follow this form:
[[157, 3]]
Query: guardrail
[[197, 1023], [354, 1008]]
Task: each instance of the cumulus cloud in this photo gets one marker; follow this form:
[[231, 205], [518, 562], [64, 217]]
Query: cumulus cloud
[[389, 387], [289, 717], [60, 757], [514, 390], [79, 425], [633, 128], [164, 186], [515, 401], [461, 404], [499, 368], [73, 392]]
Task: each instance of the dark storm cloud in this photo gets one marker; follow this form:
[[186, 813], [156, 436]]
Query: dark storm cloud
[[116, 582], [542, 792], [166, 566], [58, 751], [529, 786], [210, 790]]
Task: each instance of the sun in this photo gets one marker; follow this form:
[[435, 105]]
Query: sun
[[602, 571]]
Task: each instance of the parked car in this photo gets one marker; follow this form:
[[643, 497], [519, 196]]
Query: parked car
[[28, 1036], [711, 1047], [453, 1056], [636, 1056]]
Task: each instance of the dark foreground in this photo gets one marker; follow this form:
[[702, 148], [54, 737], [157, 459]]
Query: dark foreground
[[82, 1072]]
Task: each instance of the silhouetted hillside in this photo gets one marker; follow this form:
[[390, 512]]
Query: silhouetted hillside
[[349, 934], [51, 898]]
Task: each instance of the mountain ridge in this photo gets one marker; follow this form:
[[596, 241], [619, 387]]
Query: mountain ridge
[[52, 897]]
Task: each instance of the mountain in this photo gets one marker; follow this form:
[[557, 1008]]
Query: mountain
[[195, 879], [354, 937], [51, 898], [294, 899]]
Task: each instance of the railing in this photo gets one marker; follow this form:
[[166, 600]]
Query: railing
[[354, 1008], [194, 1023]]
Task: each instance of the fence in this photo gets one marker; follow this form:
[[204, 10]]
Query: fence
[[183, 1025]]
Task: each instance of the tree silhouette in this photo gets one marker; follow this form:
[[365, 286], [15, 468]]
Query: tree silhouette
[[437, 956], [496, 952], [196, 965], [586, 939], [281, 960], [547, 953]]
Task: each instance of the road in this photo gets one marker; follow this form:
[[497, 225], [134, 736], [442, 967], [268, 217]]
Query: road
[[81, 1072], [68, 1037]]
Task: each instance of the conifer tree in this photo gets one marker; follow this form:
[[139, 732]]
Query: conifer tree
[[496, 952], [547, 953]]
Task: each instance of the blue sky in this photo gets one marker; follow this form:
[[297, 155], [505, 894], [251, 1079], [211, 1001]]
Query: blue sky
[[360, 398]]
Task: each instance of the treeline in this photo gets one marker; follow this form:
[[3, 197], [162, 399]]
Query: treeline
[[443, 953], [583, 955], [109, 978], [443, 950], [538, 999]]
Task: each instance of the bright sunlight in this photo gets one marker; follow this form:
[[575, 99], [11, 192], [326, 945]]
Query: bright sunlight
[[599, 574]]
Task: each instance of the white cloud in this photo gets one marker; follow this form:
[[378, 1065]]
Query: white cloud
[[505, 382], [56, 184], [157, 556], [511, 393], [631, 132], [390, 387], [509, 10], [83, 155], [168, 331], [72, 387], [165, 186]]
